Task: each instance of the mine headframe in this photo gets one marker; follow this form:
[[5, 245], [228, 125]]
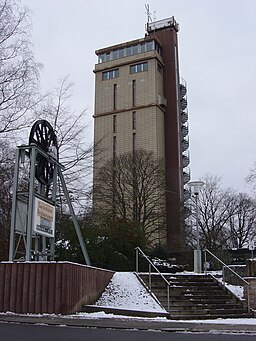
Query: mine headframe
[[37, 169]]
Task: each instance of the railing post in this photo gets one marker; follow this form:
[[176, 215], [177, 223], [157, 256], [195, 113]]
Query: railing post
[[235, 273], [149, 274], [137, 260], [168, 297], [248, 298], [223, 275], [150, 265], [205, 262]]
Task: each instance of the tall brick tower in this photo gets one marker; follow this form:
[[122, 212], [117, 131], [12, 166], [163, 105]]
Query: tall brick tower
[[140, 102]]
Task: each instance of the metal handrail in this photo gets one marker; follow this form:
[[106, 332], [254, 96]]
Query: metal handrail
[[229, 268], [138, 250]]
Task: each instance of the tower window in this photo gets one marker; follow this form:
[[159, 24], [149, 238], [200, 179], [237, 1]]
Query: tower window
[[110, 74], [129, 51], [149, 45], [107, 56], [139, 67], [133, 142], [114, 96], [114, 124], [121, 53], [114, 147], [142, 47], [115, 54], [134, 120], [133, 93], [135, 49]]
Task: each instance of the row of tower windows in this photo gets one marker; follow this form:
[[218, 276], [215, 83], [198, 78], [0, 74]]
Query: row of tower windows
[[135, 68], [110, 74], [130, 51], [139, 67]]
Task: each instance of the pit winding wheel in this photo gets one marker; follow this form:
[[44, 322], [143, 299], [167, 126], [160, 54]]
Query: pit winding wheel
[[43, 135]]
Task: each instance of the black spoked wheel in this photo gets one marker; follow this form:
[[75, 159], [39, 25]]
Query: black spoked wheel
[[43, 135]]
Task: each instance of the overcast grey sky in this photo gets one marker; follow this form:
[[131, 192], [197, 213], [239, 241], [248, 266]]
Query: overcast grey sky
[[217, 60]]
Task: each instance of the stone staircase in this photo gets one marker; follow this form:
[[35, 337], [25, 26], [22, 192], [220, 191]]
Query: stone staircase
[[196, 297]]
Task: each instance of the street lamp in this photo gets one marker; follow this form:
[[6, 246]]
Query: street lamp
[[195, 188]]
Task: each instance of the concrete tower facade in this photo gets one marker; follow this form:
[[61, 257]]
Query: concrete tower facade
[[141, 103]]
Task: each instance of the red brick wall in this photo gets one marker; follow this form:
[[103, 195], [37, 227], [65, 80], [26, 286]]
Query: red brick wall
[[173, 149], [41, 287]]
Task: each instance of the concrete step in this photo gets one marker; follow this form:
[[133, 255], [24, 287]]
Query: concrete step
[[208, 316], [190, 280], [201, 294], [193, 303], [208, 312], [212, 289], [120, 311], [187, 295], [191, 306], [206, 286], [198, 287], [197, 279], [193, 284]]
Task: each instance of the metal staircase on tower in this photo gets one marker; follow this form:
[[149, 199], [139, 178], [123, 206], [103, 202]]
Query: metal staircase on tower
[[184, 136]]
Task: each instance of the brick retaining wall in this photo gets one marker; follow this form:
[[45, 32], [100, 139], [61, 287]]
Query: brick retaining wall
[[252, 291], [251, 267], [49, 287], [251, 273]]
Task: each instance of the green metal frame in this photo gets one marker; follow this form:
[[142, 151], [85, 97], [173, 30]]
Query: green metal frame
[[37, 190]]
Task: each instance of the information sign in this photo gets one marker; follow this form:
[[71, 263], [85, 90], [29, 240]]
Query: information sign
[[44, 218]]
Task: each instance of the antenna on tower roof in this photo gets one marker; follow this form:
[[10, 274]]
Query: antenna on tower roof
[[149, 19], [149, 16]]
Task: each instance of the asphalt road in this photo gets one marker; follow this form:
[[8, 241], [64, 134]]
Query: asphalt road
[[27, 332]]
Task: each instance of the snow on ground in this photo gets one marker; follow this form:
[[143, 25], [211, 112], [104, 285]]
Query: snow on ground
[[238, 321], [103, 315], [237, 290], [126, 292]]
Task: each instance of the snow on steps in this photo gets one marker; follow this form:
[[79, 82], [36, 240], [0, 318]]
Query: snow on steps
[[196, 297]]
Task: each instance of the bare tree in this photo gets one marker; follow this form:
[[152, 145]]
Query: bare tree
[[251, 177], [132, 187], [75, 152], [242, 222], [19, 72], [6, 185], [216, 208]]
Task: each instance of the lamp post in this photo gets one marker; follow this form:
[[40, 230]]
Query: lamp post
[[195, 188]]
